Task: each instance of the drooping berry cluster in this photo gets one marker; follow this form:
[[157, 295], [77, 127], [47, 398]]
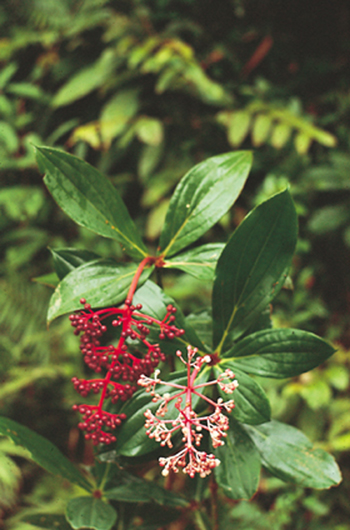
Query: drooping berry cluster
[[189, 459], [119, 368]]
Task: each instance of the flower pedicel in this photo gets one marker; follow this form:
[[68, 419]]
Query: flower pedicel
[[189, 459]]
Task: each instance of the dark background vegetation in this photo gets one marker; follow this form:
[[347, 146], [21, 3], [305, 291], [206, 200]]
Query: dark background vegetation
[[143, 90]]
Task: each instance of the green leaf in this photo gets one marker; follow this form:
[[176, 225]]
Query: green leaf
[[239, 471], [261, 129], [280, 135], [6, 73], [132, 439], [280, 353], [8, 137], [21, 203], [86, 80], [302, 142], [251, 403], [89, 512], [200, 262], [202, 323], [50, 280], [237, 123], [48, 521], [123, 487], [27, 91], [67, 259], [101, 282], [253, 266], [149, 130], [43, 452], [89, 198], [238, 127], [202, 197], [10, 481], [288, 454], [154, 303], [117, 114]]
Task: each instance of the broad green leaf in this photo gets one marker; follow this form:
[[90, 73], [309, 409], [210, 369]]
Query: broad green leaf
[[132, 439], [251, 403], [124, 487], [200, 262], [89, 512], [201, 198], [89, 198], [202, 323], [239, 471], [67, 259], [86, 80], [280, 353], [263, 321], [101, 282], [43, 452], [253, 266], [288, 454]]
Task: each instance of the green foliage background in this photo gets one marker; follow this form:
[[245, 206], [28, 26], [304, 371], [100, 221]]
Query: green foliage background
[[143, 90]]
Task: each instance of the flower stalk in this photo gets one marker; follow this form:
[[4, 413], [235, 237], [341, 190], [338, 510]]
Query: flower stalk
[[120, 365], [190, 459]]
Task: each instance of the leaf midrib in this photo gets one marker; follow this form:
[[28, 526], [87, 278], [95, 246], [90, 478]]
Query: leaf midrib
[[110, 223]]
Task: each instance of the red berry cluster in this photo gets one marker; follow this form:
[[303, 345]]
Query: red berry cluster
[[120, 367]]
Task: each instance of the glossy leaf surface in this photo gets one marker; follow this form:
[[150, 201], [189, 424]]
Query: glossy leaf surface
[[89, 512], [288, 454], [200, 262], [43, 452], [239, 471], [202, 323], [280, 353], [89, 198], [67, 259], [251, 403], [253, 266], [101, 282], [124, 487], [201, 198]]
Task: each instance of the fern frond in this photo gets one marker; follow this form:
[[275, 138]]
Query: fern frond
[[23, 334], [273, 124]]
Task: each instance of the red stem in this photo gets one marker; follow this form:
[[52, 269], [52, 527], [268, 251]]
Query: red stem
[[146, 261]]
